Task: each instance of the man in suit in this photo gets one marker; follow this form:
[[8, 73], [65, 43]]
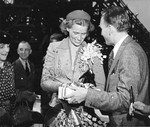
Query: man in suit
[[128, 74], [24, 74]]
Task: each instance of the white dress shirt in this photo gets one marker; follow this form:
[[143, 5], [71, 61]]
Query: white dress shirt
[[117, 45]]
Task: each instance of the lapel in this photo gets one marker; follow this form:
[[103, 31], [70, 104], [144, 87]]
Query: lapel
[[20, 65], [21, 68], [65, 59], [116, 59], [31, 66]]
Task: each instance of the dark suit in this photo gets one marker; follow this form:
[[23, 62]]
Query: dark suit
[[22, 81], [129, 68]]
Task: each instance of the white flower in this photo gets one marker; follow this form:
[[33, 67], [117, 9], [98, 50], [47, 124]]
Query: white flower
[[92, 50]]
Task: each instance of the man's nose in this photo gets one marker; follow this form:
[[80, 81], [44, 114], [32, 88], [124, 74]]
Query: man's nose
[[23, 51], [79, 37]]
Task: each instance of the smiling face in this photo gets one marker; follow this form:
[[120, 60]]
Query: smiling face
[[4, 50], [77, 34], [24, 50]]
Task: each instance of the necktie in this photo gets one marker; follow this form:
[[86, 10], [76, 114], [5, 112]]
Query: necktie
[[111, 58], [27, 70]]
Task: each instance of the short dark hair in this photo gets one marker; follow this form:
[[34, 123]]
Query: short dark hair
[[117, 17], [24, 42]]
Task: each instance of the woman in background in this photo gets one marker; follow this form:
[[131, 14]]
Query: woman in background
[[64, 66], [7, 87]]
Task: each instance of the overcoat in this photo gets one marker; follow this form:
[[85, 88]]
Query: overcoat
[[59, 69]]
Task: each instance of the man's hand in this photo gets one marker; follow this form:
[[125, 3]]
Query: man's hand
[[77, 96], [141, 108]]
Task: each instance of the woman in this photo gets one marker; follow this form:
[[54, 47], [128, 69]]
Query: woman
[[64, 65], [7, 87]]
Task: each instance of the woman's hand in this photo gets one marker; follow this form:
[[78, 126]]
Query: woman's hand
[[77, 96]]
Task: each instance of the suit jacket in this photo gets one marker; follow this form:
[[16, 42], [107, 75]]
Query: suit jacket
[[22, 81], [129, 68]]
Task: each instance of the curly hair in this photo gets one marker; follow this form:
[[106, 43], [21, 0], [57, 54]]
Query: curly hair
[[82, 22]]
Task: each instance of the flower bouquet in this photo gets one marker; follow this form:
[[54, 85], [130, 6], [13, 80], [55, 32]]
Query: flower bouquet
[[92, 50], [89, 53]]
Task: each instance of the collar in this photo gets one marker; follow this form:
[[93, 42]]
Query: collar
[[118, 44], [64, 44], [23, 62]]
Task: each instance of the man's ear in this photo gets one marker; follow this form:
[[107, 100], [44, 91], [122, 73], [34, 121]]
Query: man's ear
[[30, 51], [112, 28], [17, 51]]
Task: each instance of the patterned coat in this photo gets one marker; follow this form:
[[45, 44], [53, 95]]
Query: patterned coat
[[58, 70], [7, 87]]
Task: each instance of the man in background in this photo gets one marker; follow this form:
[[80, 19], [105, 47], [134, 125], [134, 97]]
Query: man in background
[[24, 74]]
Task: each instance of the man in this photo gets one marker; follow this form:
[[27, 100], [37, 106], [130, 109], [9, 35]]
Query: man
[[24, 73], [128, 74]]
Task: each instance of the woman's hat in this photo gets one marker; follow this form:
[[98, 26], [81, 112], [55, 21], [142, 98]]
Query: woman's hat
[[5, 38], [78, 14]]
